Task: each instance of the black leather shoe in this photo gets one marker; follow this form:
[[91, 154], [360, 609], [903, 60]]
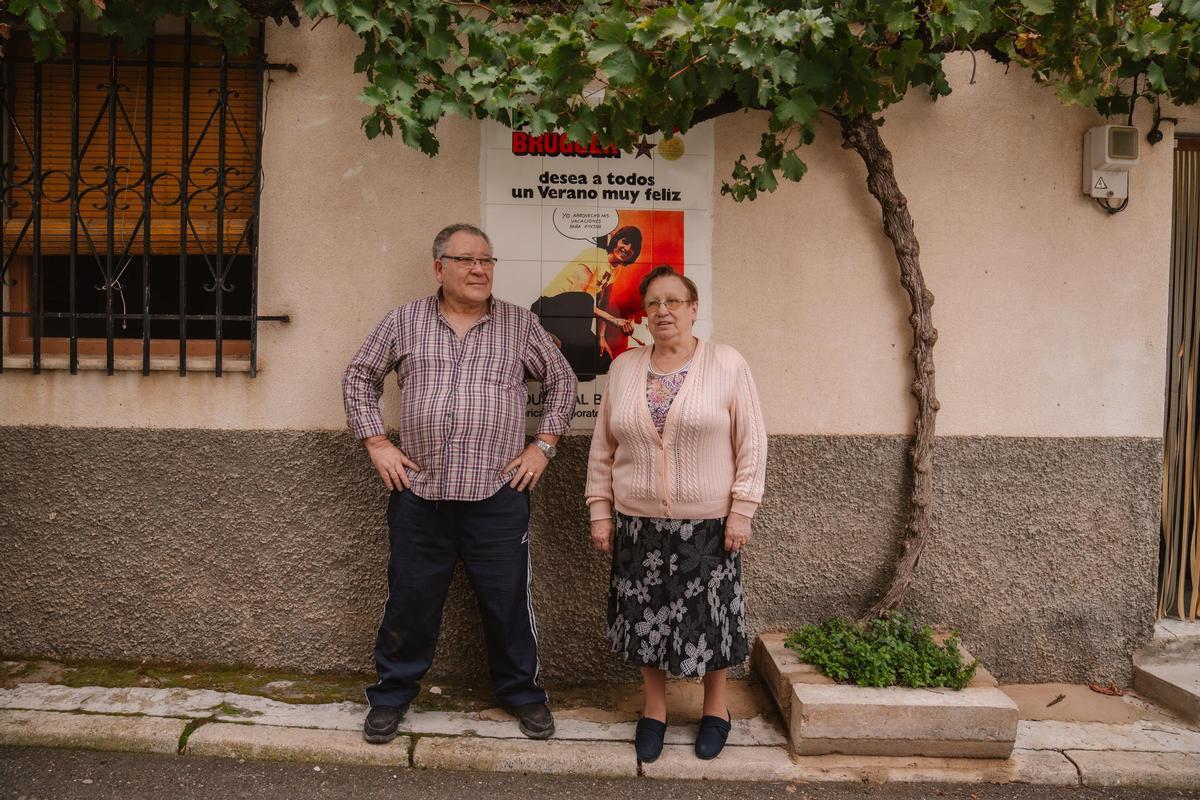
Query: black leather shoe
[[535, 720], [381, 723], [714, 731], [648, 741]]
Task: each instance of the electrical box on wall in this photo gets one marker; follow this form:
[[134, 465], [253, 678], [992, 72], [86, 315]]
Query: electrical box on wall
[[1109, 152]]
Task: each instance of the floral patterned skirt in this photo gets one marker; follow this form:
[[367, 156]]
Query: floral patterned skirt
[[675, 600]]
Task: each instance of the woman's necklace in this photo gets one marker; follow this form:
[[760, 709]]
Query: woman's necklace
[[685, 361]]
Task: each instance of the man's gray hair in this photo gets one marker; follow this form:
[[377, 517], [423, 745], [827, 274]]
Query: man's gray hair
[[439, 241]]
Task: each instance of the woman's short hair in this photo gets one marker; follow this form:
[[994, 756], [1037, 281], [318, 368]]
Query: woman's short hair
[[666, 270], [629, 233]]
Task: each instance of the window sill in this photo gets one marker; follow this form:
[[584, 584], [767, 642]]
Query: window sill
[[131, 363]]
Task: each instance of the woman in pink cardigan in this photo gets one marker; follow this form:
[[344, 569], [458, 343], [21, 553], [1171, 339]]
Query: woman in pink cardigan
[[675, 472]]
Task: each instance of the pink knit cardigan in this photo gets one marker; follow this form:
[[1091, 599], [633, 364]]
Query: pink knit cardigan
[[711, 457]]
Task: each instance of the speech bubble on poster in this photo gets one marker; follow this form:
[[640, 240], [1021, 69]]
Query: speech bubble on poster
[[586, 224]]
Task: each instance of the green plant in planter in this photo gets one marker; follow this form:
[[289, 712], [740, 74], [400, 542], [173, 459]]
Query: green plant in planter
[[888, 651]]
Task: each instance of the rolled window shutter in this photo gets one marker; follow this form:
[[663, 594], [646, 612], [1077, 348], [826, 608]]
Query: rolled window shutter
[[166, 151]]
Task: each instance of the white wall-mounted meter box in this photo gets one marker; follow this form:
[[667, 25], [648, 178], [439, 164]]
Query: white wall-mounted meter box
[[1109, 152]]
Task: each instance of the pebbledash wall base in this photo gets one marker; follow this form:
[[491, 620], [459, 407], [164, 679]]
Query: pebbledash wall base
[[269, 548]]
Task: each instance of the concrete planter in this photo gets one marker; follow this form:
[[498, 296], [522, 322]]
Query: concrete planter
[[824, 717]]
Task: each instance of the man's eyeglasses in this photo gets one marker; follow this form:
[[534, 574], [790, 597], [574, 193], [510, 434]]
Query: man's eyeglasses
[[671, 304], [471, 261]]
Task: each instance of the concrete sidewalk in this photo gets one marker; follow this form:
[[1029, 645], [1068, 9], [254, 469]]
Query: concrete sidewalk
[[1080, 738]]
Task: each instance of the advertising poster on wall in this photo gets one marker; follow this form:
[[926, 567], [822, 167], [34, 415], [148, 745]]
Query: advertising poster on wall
[[576, 226]]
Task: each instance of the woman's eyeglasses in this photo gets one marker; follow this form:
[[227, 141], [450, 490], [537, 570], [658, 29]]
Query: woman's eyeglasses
[[671, 304]]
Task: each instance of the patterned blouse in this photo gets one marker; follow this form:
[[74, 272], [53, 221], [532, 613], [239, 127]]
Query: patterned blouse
[[661, 389]]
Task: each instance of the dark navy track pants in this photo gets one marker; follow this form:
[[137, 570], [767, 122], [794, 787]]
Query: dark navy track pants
[[427, 538]]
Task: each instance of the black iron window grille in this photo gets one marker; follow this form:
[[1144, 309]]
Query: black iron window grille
[[129, 202]]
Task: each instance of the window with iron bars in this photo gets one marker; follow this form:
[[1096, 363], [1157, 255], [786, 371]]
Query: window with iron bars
[[129, 195]]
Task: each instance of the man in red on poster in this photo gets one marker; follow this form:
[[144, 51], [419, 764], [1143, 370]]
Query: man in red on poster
[[592, 305], [610, 274]]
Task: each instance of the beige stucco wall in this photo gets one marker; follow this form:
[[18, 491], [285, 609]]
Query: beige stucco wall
[[1052, 314]]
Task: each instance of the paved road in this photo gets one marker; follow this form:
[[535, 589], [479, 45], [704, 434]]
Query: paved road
[[35, 774]]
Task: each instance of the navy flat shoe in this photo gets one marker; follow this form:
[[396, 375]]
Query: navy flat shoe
[[648, 741], [714, 731]]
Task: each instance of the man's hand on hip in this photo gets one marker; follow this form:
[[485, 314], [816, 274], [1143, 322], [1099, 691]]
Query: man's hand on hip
[[389, 462], [528, 466]]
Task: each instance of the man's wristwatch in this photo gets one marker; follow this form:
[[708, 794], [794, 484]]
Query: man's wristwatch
[[548, 450]]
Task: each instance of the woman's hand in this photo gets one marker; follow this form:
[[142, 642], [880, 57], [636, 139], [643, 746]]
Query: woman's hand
[[626, 326], [602, 535], [737, 531]]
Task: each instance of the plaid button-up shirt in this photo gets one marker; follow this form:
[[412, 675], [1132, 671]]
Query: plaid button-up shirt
[[462, 402]]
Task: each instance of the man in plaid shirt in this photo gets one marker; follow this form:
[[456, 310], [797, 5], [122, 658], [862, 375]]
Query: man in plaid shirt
[[461, 475]]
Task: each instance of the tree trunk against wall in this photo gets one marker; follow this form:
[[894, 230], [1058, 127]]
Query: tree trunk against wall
[[862, 134]]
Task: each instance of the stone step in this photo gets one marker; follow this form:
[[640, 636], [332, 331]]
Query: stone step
[[1173, 683], [1169, 629], [1167, 670], [1176, 649]]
